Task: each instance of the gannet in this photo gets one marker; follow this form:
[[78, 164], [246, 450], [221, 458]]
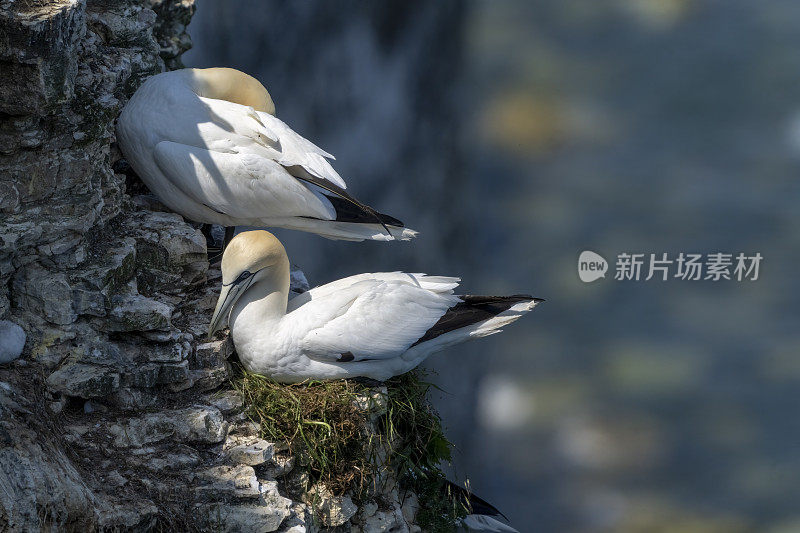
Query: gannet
[[208, 144], [483, 516], [374, 325]]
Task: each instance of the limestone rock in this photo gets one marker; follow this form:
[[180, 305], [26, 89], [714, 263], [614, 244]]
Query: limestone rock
[[334, 510], [129, 399], [173, 373], [4, 303], [266, 511], [40, 291], [301, 520], [170, 29], [375, 402], [209, 378], [88, 302], [128, 515], [138, 313], [84, 380], [12, 341], [41, 487], [179, 457], [226, 401], [39, 38], [170, 254], [271, 496], [250, 451], [128, 26], [114, 268], [381, 521], [280, 465], [193, 424], [237, 481], [175, 352], [242, 518], [296, 483], [213, 354], [294, 528], [143, 376]]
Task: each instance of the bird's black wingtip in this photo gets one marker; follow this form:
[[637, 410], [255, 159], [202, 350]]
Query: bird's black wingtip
[[473, 503], [523, 297], [350, 211]]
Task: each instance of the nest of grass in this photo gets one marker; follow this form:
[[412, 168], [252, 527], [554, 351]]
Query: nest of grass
[[347, 434]]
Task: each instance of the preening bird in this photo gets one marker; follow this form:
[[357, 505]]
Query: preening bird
[[208, 144], [374, 325]]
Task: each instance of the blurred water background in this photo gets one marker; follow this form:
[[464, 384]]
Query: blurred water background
[[516, 134]]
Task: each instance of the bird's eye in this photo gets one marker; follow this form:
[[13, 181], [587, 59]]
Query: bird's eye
[[243, 276]]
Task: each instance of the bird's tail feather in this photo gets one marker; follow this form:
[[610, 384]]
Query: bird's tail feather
[[351, 231], [479, 522], [340, 231], [478, 316], [512, 314], [482, 515]]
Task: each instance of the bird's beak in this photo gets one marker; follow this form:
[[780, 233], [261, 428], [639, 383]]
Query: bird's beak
[[227, 298]]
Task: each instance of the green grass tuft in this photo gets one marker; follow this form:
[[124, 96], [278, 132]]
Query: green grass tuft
[[347, 447]]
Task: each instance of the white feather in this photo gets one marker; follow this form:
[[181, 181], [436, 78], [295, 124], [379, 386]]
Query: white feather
[[219, 162], [259, 185], [372, 319]]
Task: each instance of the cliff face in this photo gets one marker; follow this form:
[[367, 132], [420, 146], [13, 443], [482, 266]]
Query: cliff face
[[117, 415]]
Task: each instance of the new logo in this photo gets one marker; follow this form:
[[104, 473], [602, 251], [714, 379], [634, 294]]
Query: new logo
[[591, 266]]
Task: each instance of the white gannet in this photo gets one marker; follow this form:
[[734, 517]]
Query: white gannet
[[207, 143], [373, 325]]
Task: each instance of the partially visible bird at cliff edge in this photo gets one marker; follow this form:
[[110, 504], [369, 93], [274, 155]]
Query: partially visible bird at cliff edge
[[483, 516], [374, 325], [208, 144]]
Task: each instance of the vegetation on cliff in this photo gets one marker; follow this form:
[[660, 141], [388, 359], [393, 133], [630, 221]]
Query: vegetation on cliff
[[356, 437]]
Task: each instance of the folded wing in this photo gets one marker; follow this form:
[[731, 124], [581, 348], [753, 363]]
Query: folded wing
[[242, 129], [240, 185], [438, 284], [296, 150], [371, 319]]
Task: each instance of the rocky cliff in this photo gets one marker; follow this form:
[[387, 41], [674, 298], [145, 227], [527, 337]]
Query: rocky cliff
[[117, 415]]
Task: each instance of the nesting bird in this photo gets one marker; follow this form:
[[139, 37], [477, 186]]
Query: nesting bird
[[208, 144], [374, 325]]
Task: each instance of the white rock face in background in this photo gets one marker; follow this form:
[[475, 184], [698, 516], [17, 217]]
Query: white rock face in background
[[12, 341]]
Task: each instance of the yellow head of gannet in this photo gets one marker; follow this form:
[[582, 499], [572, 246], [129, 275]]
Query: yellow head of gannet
[[251, 256], [229, 84]]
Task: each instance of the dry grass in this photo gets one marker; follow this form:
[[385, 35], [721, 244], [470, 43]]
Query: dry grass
[[347, 447], [319, 420]]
